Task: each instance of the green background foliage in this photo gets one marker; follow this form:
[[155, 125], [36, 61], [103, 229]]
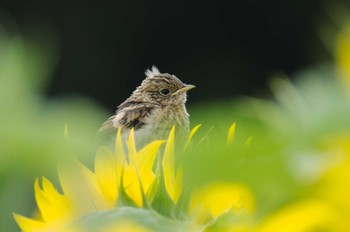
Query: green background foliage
[[289, 132]]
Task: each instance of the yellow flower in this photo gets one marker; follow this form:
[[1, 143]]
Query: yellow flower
[[216, 199], [138, 176], [87, 192], [333, 186], [55, 209], [327, 207], [304, 216], [126, 179]]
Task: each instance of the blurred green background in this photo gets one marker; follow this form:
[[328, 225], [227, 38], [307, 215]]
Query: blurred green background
[[32, 127], [73, 64]]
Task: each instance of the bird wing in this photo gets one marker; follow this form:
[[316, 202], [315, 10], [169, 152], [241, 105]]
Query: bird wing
[[107, 129], [130, 115]]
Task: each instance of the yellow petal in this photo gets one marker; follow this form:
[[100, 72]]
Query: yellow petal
[[218, 198], [146, 157], [107, 174], [29, 225], [231, 133], [168, 164], [80, 185], [131, 145], [193, 131], [52, 205], [120, 155], [178, 185], [132, 184], [138, 175], [309, 215], [59, 201], [119, 148], [144, 164]]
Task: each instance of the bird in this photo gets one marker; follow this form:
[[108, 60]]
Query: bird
[[152, 110]]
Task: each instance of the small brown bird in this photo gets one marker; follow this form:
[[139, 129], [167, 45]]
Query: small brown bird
[[152, 110]]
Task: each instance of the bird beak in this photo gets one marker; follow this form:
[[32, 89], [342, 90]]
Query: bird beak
[[183, 89]]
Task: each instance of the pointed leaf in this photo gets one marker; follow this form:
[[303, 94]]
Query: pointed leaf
[[231, 133], [193, 131]]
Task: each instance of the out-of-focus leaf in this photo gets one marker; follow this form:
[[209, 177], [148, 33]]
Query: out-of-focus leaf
[[144, 219]]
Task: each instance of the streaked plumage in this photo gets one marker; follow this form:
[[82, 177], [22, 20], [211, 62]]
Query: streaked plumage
[[152, 109]]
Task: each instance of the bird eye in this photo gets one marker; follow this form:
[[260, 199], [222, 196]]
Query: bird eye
[[165, 91]]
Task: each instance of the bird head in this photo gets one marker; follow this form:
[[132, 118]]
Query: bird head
[[162, 88]]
